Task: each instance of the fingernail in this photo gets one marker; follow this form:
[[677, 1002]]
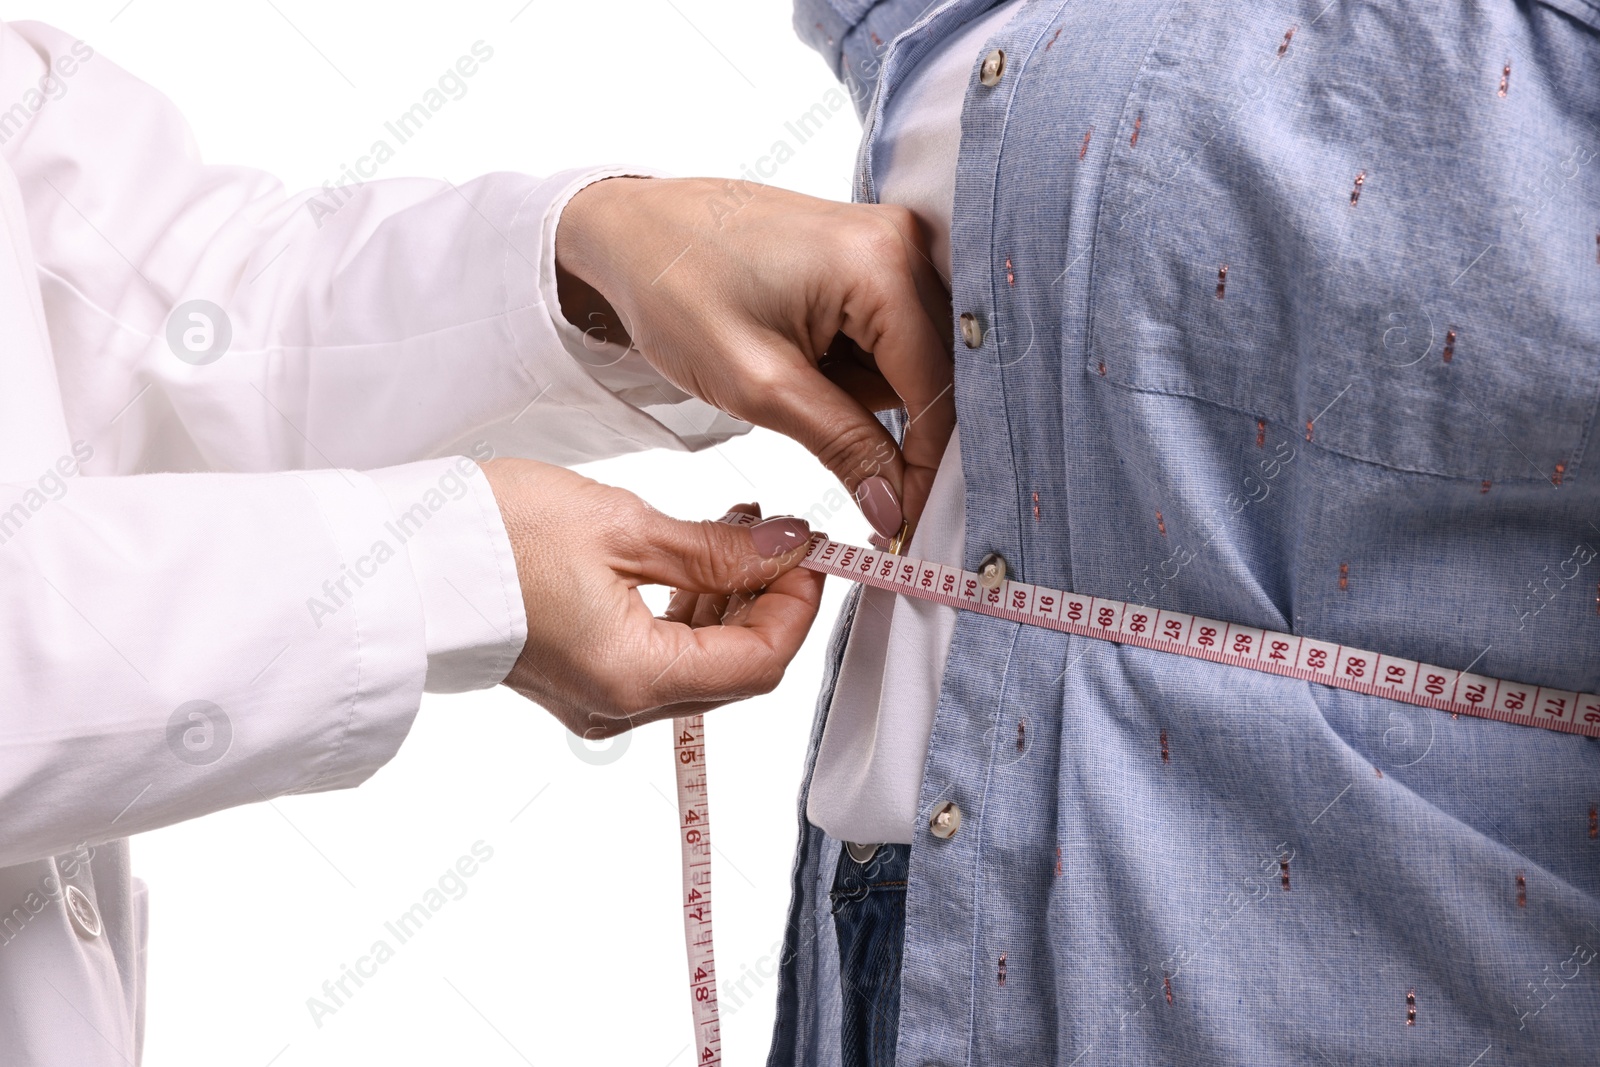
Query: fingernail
[[680, 599], [778, 535], [879, 504]]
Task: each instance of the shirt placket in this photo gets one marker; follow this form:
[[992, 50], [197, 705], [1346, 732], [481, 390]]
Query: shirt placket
[[944, 963]]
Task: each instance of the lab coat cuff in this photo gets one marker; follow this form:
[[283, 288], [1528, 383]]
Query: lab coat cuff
[[370, 600], [619, 384], [445, 514]]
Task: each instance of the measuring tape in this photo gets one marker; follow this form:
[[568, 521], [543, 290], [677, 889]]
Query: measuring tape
[[694, 836], [1305, 658]]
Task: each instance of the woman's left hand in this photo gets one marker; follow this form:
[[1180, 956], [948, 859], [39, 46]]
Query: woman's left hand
[[797, 314]]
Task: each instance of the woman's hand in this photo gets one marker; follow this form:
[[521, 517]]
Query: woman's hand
[[797, 314], [595, 657]]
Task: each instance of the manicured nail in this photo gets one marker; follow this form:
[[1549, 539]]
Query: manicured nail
[[778, 535], [879, 504]]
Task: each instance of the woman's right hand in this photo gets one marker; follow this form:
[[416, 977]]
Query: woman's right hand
[[595, 657]]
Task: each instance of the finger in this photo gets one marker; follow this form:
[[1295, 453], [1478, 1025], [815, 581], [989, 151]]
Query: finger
[[681, 663], [900, 325], [697, 609], [709, 611], [870, 388], [682, 606], [737, 609], [827, 420], [707, 557], [725, 663]]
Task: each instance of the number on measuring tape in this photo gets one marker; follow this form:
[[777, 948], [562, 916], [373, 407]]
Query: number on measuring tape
[[1105, 615], [1557, 705], [828, 553], [1136, 621], [1205, 636], [1046, 603], [1019, 597], [1243, 642], [1354, 664], [1317, 658], [1436, 683], [1476, 691], [1515, 700], [1395, 675]]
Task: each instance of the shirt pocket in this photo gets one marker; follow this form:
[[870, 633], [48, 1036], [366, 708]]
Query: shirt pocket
[[1351, 232]]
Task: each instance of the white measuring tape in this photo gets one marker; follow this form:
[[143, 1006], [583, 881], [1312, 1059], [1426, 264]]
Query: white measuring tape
[[694, 835], [1306, 658]]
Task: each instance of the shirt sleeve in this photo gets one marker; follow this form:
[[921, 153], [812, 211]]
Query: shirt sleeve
[[176, 644], [473, 619], [203, 319]]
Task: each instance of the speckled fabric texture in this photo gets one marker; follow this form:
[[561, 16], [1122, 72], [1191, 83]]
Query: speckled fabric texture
[[1290, 316]]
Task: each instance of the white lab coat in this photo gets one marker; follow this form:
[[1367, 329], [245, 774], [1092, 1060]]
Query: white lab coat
[[412, 322]]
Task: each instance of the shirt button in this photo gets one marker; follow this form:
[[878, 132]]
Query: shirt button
[[992, 571], [860, 853], [971, 331], [946, 820], [994, 65], [82, 910]]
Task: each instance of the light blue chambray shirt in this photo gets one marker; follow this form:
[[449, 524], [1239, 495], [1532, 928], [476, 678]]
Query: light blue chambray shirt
[[1292, 318]]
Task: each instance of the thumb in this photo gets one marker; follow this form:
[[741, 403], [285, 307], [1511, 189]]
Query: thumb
[[713, 557], [841, 432]]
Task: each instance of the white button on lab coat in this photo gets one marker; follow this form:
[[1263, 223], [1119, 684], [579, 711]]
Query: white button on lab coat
[[176, 643]]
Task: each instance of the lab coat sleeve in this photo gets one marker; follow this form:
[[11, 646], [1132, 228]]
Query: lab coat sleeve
[[365, 326], [175, 644]]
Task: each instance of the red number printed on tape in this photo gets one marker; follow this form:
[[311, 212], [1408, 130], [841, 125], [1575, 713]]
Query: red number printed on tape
[[949, 581], [1137, 621], [1244, 642]]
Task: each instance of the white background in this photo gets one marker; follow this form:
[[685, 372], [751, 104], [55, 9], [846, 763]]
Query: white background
[[567, 945]]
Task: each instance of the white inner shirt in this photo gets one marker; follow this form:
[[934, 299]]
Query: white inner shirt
[[869, 766]]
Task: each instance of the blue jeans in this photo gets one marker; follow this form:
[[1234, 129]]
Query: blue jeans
[[869, 917]]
